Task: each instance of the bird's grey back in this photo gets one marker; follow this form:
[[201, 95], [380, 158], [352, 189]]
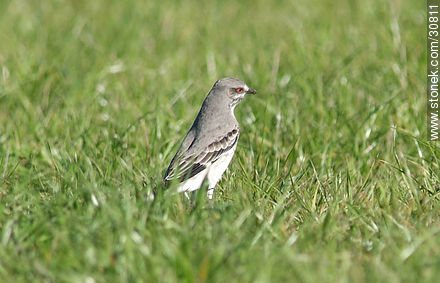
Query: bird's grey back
[[215, 119]]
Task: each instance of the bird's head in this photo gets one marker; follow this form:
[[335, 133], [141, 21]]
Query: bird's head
[[234, 89]]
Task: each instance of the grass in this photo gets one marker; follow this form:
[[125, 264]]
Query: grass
[[333, 179]]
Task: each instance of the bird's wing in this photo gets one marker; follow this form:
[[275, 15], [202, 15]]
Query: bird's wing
[[180, 154], [187, 166]]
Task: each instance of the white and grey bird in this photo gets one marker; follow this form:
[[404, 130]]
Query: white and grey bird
[[210, 144]]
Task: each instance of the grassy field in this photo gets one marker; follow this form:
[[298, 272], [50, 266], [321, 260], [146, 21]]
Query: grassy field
[[333, 180]]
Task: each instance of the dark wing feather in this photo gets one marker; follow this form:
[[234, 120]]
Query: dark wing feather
[[189, 166]]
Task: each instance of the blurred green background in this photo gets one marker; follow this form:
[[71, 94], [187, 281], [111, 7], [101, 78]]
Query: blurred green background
[[333, 179]]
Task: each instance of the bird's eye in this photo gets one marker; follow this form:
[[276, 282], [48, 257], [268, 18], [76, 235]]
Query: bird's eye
[[239, 90]]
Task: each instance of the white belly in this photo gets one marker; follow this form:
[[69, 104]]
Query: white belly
[[216, 170], [193, 183], [213, 173]]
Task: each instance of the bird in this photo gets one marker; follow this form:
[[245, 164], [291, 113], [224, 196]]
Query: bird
[[208, 147]]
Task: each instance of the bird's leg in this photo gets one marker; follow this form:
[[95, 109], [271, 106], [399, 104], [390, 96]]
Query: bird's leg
[[187, 195], [191, 196], [210, 193]]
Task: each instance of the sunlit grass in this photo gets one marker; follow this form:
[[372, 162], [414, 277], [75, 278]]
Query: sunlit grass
[[333, 179]]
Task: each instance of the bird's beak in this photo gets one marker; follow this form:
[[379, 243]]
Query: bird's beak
[[251, 91]]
